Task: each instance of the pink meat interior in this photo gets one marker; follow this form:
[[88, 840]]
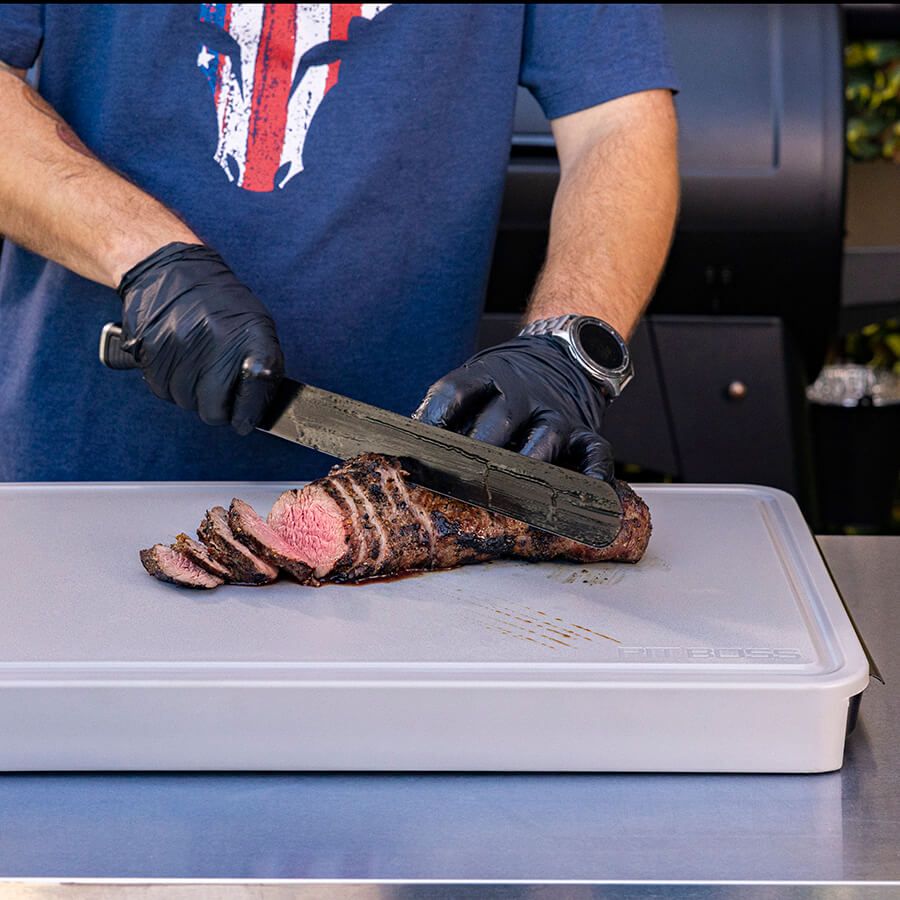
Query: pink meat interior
[[175, 560], [312, 524], [252, 521]]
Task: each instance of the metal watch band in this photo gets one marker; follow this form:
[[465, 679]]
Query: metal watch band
[[612, 381], [548, 326]]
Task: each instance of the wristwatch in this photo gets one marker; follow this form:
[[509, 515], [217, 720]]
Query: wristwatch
[[596, 346]]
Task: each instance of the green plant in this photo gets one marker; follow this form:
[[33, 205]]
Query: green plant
[[872, 102], [876, 345], [872, 95]]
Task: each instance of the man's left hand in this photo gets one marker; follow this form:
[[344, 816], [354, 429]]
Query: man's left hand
[[528, 395]]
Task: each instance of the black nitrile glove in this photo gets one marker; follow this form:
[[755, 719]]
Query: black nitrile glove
[[527, 395], [202, 339]]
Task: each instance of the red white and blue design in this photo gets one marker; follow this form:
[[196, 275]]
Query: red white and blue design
[[265, 97]]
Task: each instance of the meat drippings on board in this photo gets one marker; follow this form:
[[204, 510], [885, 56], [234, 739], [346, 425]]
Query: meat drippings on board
[[363, 521]]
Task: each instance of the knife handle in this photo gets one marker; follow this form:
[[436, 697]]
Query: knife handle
[[112, 354]]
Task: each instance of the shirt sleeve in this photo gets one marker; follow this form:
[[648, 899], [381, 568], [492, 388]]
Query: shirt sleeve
[[575, 56], [21, 33]]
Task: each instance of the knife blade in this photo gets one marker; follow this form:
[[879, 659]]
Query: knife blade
[[541, 494]]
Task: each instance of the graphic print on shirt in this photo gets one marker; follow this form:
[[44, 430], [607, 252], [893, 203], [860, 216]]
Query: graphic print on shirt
[[269, 66]]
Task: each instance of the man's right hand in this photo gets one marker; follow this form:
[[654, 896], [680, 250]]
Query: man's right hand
[[202, 339]]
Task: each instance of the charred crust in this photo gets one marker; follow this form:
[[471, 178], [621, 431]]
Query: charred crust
[[244, 569]]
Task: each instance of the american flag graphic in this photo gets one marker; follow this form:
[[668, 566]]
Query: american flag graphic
[[265, 99]]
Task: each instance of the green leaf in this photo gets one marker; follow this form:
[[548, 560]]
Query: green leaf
[[866, 150], [854, 55], [880, 52]]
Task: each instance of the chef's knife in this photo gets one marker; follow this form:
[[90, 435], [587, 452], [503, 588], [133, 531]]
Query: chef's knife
[[538, 493]]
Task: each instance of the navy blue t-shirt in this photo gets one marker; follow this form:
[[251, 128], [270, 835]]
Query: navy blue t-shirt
[[346, 160]]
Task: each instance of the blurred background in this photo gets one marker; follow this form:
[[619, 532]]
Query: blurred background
[[770, 353]]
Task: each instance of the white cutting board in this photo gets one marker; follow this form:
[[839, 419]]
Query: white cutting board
[[727, 648]]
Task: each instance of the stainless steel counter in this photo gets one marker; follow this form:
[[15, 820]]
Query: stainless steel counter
[[676, 830]]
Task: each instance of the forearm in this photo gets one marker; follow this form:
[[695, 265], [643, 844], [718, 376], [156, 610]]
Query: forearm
[[58, 200], [614, 211]]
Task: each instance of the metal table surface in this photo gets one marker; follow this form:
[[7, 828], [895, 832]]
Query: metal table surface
[[411, 835]]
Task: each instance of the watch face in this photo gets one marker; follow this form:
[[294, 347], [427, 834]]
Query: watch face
[[600, 346]]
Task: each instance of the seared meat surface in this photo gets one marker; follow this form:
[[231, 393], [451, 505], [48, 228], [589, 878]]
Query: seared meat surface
[[364, 521], [245, 567]]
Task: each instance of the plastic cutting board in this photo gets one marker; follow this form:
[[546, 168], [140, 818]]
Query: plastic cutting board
[[726, 649]]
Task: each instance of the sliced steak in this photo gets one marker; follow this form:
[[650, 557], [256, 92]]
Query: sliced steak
[[245, 567], [363, 521], [167, 564], [199, 553], [253, 531]]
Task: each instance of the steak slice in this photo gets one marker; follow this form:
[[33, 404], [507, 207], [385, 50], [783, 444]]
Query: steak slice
[[245, 567], [199, 554], [168, 564], [253, 531], [363, 521]]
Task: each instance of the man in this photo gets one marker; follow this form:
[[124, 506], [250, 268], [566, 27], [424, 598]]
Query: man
[[347, 161]]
